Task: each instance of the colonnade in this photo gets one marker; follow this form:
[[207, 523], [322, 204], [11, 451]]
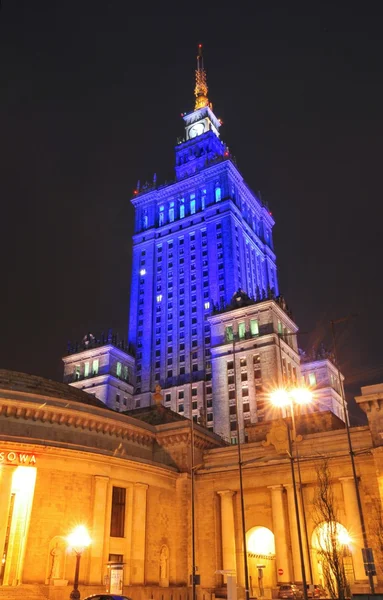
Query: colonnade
[[283, 519]]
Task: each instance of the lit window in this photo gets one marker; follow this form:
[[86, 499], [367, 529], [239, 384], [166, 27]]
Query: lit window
[[86, 369], [118, 369], [203, 199], [280, 328], [217, 193], [95, 366], [192, 204], [77, 372], [229, 333], [143, 272], [241, 330], [254, 327], [312, 379], [207, 305], [182, 208], [171, 212], [161, 215], [159, 297]]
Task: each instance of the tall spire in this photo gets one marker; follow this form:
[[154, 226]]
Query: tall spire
[[200, 91]]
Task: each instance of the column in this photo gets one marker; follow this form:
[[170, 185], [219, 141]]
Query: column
[[353, 525], [100, 493], [280, 529], [228, 531], [137, 571], [6, 475], [297, 569]]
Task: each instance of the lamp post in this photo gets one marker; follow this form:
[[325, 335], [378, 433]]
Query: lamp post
[[367, 555], [303, 401], [246, 570], [78, 540], [282, 398]]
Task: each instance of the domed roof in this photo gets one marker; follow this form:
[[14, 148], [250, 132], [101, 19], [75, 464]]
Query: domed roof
[[39, 386]]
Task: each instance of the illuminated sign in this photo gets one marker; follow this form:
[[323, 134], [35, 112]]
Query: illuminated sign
[[17, 458]]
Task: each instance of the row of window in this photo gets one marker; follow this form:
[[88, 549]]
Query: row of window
[[87, 371], [253, 329]]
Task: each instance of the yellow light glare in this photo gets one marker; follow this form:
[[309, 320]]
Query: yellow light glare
[[260, 540], [279, 398], [302, 395], [344, 538], [79, 539]]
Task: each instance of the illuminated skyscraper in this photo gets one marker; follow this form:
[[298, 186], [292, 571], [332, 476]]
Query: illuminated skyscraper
[[207, 322], [197, 240]]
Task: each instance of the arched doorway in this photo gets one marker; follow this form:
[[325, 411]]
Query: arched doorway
[[261, 560], [331, 541]]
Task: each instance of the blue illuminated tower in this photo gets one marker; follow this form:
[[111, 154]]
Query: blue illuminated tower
[[197, 241]]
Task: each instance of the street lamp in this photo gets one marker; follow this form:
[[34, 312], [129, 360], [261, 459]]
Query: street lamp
[[78, 540], [283, 398]]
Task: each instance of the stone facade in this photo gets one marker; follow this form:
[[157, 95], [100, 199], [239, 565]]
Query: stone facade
[[62, 454]]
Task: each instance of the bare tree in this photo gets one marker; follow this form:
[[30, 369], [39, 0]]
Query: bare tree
[[329, 547]]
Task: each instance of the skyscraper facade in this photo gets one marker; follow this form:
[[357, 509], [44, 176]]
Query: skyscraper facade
[[197, 241]]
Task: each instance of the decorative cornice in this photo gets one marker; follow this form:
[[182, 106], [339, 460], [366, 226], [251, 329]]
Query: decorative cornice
[[59, 416]]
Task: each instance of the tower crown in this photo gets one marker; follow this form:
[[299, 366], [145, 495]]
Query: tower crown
[[201, 88]]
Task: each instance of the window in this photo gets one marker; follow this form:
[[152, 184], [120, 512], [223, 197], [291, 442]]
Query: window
[[159, 297], [86, 369], [171, 212], [77, 372], [194, 392], [217, 193], [95, 366], [182, 208], [203, 199], [192, 204], [230, 365], [142, 272], [230, 379], [168, 397], [245, 392], [161, 215], [118, 398], [118, 369], [243, 362], [117, 524], [246, 407], [254, 327], [312, 379], [241, 330], [229, 333], [232, 395], [180, 394], [180, 408], [243, 376], [232, 410]]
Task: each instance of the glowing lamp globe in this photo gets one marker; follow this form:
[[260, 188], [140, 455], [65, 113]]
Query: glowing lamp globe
[[302, 395], [279, 398], [79, 539]]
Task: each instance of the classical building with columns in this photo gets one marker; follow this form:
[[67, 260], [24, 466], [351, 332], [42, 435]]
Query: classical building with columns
[[67, 459]]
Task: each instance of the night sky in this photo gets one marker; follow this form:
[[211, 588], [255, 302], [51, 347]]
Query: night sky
[[90, 102]]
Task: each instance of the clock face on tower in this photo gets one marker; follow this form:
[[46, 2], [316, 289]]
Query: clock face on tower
[[196, 129]]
